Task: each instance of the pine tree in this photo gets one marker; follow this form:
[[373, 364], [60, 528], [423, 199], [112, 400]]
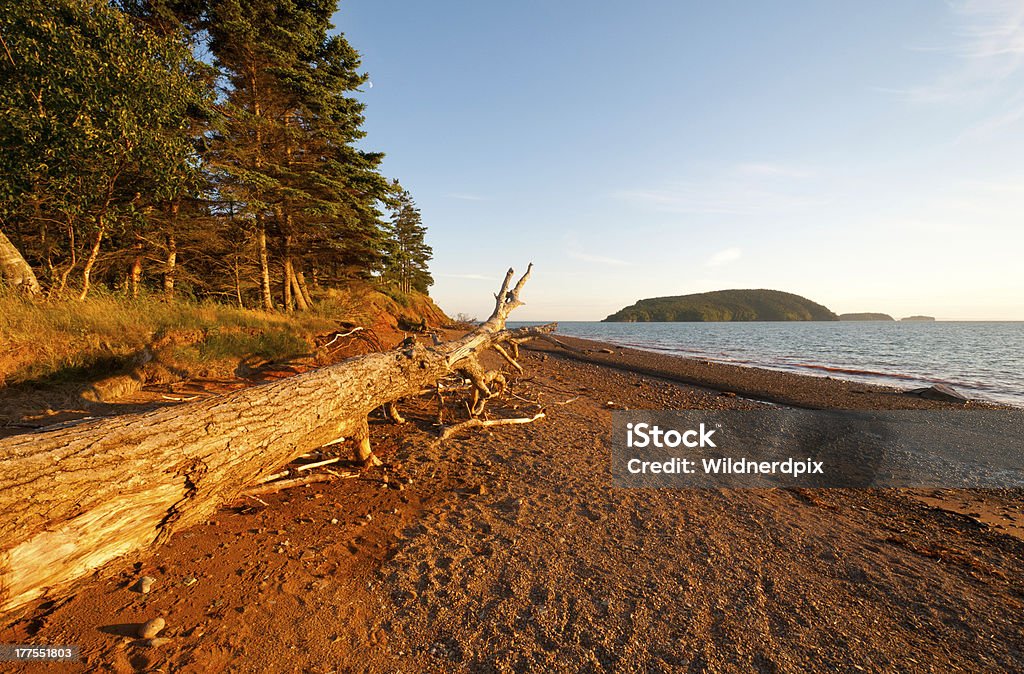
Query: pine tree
[[119, 166], [286, 146], [408, 253]]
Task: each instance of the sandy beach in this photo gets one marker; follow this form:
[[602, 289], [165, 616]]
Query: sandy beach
[[506, 549]]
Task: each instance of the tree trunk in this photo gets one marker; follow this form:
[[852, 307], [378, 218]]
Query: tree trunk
[[170, 267], [265, 296], [58, 290], [300, 300], [303, 290], [136, 274], [14, 270], [238, 286], [74, 498], [94, 253], [289, 306]]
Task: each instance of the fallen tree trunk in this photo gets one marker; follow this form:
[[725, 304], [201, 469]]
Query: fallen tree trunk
[[75, 498]]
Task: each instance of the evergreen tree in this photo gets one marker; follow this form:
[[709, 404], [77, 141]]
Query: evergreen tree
[[408, 253], [287, 143], [246, 170]]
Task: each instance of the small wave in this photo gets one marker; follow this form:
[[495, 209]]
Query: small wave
[[862, 373]]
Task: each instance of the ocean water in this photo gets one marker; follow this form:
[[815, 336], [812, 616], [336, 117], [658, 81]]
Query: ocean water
[[981, 360]]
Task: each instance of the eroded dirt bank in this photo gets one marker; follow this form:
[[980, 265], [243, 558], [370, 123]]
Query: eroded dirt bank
[[508, 550]]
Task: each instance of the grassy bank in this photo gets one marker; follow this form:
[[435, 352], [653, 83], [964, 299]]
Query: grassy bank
[[68, 340]]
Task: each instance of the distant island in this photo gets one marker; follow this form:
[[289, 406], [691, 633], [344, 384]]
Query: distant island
[[724, 305], [867, 316], [919, 319]]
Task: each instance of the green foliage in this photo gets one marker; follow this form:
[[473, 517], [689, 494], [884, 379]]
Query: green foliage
[[115, 133], [725, 305], [407, 254], [93, 118], [285, 149]]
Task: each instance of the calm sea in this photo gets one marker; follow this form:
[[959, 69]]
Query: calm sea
[[982, 360]]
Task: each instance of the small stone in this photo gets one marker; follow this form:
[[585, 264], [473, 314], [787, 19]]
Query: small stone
[[334, 520], [151, 628], [157, 642], [480, 490], [145, 584], [188, 582]]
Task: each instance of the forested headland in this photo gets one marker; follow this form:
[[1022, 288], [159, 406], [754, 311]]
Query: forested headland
[[725, 305], [201, 149]]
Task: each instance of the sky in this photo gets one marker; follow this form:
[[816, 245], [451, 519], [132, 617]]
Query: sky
[[867, 155]]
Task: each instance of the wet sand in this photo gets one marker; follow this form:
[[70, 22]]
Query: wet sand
[[506, 549]]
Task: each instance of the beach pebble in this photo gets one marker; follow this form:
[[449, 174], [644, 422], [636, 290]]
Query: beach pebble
[[145, 584], [151, 628], [480, 490], [158, 641]]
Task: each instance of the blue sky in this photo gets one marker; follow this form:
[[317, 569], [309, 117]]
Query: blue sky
[[867, 155]]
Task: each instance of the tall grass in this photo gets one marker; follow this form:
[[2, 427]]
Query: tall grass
[[43, 339]]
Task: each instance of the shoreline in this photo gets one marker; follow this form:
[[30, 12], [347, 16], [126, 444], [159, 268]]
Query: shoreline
[[507, 549], [755, 382], [981, 381]]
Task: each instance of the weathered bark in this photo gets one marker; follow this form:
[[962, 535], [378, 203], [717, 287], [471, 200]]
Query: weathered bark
[[14, 270], [300, 300], [261, 242], [74, 498], [303, 289], [238, 287], [289, 304], [293, 297], [94, 252], [170, 267]]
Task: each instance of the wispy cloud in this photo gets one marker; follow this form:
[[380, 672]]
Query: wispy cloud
[[597, 259], [743, 189], [986, 46], [463, 196], [724, 257], [575, 250]]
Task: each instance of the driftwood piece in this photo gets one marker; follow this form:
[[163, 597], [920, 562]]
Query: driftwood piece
[[280, 485], [74, 498], [481, 423]]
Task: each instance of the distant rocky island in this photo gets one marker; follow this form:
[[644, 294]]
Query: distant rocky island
[[724, 305], [919, 319], [867, 316]]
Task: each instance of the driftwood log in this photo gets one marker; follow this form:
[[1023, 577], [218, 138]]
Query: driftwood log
[[74, 498]]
